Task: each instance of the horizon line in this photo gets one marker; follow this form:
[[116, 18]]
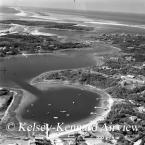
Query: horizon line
[[75, 10]]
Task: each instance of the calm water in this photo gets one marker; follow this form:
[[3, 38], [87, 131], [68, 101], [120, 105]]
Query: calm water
[[18, 69], [61, 104]]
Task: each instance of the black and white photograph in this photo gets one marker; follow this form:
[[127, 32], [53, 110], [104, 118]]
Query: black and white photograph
[[72, 72]]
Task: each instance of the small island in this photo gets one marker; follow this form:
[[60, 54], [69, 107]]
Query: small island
[[120, 76], [119, 79]]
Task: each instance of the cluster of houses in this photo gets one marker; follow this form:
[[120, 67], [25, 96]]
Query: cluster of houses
[[133, 81]]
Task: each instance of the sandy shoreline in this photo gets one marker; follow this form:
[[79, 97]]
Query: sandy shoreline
[[86, 123]]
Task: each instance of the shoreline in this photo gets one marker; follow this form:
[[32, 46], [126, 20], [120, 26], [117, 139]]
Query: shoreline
[[114, 49], [84, 123], [31, 54], [90, 121], [55, 52]]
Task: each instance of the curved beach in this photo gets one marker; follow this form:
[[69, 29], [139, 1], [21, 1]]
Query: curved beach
[[106, 103]]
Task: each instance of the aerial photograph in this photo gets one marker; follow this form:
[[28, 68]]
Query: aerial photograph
[[72, 72]]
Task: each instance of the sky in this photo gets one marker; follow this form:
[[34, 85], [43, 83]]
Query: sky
[[131, 6]]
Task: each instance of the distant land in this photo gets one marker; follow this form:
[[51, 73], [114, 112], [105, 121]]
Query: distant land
[[83, 68]]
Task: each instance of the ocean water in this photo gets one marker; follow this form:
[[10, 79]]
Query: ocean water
[[90, 16], [101, 21], [20, 70]]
